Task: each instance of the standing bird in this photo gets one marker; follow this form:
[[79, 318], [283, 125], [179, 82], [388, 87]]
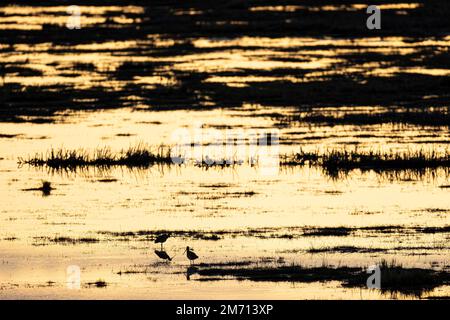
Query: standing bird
[[161, 239], [190, 271], [191, 255]]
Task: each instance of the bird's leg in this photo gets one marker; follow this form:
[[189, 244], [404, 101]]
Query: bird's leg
[[161, 247]]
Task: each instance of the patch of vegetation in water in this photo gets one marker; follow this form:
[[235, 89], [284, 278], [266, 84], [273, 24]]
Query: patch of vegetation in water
[[98, 284], [335, 162], [64, 240], [345, 249], [8, 136], [394, 277], [273, 233], [421, 117], [328, 231], [152, 234]]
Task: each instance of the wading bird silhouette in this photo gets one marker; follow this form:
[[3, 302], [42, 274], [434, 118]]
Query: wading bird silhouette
[[190, 254], [161, 239]]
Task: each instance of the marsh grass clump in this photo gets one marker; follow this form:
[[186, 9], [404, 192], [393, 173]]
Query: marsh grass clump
[[67, 240], [408, 281], [300, 158], [140, 155], [151, 234], [337, 161], [396, 278], [444, 229], [280, 273], [345, 249], [346, 160]]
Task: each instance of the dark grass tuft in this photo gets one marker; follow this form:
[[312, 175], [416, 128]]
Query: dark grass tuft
[[335, 161], [422, 117], [99, 283], [345, 249], [344, 160], [64, 240], [444, 229], [394, 278]]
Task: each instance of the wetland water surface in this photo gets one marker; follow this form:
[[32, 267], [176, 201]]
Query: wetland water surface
[[300, 232]]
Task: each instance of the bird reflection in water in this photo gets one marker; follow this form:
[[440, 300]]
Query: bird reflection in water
[[190, 271], [163, 255]]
